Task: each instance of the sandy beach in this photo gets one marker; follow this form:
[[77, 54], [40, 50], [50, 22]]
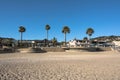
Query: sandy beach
[[60, 66]]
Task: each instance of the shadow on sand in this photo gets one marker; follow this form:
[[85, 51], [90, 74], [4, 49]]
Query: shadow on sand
[[88, 49]]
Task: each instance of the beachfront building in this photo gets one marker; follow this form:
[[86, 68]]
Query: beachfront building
[[37, 43], [78, 43], [86, 43], [102, 43], [116, 45], [7, 42]]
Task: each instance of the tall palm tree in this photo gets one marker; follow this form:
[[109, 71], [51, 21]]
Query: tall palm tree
[[65, 30], [47, 27], [89, 31], [21, 30]]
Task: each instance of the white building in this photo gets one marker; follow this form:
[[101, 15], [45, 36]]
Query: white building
[[77, 43]]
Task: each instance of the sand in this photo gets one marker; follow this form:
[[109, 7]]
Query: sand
[[60, 66]]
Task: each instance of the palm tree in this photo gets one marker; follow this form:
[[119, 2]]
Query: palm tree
[[21, 30], [65, 30], [47, 27], [89, 31]]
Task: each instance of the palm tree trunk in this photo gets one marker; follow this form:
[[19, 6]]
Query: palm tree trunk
[[47, 38], [47, 34], [21, 37], [65, 39], [89, 40]]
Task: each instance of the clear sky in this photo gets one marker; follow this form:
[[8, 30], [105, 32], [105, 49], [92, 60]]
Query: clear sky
[[102, 15]]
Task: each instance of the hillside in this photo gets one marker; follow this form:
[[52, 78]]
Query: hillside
[[107, 38]]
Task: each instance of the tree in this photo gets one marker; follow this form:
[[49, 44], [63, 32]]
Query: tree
[[47, 27], [85, 39], [54, 41], [89, 31], [65, 30], [21, 30]]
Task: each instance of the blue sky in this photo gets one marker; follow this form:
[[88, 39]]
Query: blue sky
[[102, 15]]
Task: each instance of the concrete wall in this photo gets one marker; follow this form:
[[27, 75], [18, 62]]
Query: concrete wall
[[40, 50], [92, 49]]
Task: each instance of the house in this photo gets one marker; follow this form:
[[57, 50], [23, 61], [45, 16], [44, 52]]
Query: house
[[77, 43]]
